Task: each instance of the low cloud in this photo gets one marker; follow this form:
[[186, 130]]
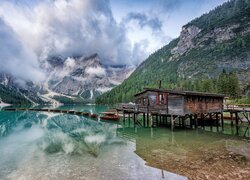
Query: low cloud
[[139, 27], [32, 31], [97, 71], [69, 28], [15, 58], [145, 20]]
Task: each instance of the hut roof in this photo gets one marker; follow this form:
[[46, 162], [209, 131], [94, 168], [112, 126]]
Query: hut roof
[[187, 93]]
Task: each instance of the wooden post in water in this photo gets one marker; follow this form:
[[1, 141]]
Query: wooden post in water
[[144, 124], [196, 121], [134, 119], [147, 119], [129, 119], [172, 122], [237, 123], [217, 122], [222, 121], [191, 121], [203, 121], [156, 116], [231, 115], [211, 122], [183, 122]]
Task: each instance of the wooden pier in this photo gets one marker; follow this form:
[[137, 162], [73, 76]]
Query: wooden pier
[[239, 117], [79, 113]]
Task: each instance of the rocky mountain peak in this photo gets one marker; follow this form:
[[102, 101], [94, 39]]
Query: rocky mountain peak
[[185, 43]]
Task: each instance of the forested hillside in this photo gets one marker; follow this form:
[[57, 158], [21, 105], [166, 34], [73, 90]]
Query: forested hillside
[[212, 54]]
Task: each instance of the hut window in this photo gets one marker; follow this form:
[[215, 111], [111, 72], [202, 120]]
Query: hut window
[[152, 98], [160, 99], [144, 101]]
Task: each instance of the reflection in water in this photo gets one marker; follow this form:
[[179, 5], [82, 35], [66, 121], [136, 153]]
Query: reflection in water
[[39, 145]]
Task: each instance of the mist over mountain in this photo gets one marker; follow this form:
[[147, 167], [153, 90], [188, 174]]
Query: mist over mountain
[[71, 80]]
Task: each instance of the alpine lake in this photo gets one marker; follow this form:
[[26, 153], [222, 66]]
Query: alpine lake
[[46, 145]]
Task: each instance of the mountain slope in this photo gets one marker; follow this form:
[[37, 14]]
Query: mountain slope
[[217, 41]]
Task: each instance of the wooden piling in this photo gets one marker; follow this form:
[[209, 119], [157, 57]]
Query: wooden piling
[[134, 119], [203, 121], [196, 121], [211, 120], [231, 115], [172, 122], [217, 122], [237, 123], [129, 119], [191, 121], [147, 119], [144, 117], [222, 121]]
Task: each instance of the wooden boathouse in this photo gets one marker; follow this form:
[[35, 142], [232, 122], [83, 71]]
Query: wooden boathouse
[[175, 108]]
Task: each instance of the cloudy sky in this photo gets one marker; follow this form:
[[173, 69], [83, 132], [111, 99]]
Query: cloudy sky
[[122, 32]]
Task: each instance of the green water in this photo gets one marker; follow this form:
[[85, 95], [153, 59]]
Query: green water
[[42, 145]]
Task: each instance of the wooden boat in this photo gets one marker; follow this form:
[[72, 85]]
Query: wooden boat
[[93, 116], [71, 112], [111, 116]]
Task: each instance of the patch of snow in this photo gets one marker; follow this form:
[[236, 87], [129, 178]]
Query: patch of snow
[[91, 94]]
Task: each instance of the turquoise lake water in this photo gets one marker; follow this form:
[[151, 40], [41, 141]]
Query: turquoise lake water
[[43, 145]]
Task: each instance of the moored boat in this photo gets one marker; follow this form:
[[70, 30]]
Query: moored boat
[[93, 116], [111, 116]]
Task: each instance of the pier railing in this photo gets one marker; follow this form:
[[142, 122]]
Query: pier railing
[[240, 107], [162, 109]]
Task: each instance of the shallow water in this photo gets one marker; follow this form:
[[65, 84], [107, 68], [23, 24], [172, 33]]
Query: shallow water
[[41, 145]]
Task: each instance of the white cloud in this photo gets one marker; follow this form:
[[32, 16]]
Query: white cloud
[[145, 34], [69, 28], [98, 71], [16, 58]]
